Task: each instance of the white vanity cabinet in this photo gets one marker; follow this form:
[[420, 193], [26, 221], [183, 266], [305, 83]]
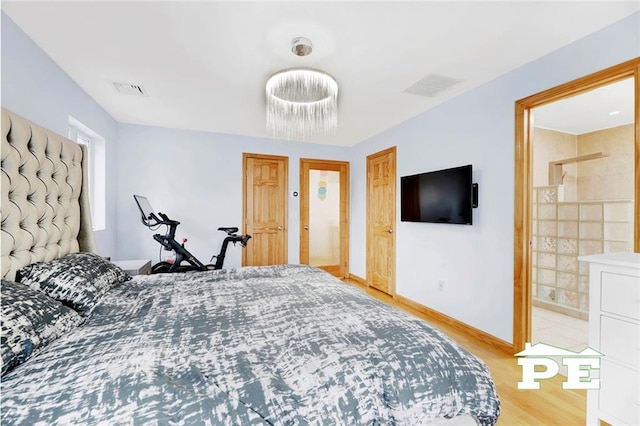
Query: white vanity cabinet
[[614, 331]]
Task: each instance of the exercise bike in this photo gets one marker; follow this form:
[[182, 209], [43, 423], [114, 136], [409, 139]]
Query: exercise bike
[[168, 241]]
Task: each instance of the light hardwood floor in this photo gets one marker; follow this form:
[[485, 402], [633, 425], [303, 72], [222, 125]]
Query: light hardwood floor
[[551, 405]]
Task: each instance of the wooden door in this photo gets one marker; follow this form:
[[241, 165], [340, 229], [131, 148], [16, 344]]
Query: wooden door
[[265, 209], [381, 220], [324, 215]]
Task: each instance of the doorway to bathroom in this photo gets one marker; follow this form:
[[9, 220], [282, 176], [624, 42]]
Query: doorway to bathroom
[[568, 203], [582, 204]]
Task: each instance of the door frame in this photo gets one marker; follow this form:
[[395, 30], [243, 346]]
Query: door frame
[[523, 181], [285, 225], [343, 168], [369, 261]]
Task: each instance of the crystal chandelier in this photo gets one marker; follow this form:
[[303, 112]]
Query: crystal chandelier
[[301, 101]]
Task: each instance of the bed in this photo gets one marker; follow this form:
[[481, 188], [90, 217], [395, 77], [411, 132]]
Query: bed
[[277, 345]]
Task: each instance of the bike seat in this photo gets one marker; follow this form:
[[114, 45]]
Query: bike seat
[[231, 230]]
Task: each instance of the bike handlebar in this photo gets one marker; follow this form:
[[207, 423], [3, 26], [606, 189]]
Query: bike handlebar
[[162, 220]]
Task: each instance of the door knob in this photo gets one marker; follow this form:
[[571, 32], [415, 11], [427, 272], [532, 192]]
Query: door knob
[[279, 228], [390, 231], [306, 227]]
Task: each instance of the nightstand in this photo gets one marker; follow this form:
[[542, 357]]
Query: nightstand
[[134, 267]]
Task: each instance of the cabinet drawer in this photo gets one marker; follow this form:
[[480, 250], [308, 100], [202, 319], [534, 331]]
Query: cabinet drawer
[[620, 341], [620, 294], [619, 392]]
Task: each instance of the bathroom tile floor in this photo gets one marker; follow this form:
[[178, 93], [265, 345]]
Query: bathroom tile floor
[[559, 330]]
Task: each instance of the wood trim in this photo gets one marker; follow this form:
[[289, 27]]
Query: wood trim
[[459, 326], [636, 229], [523, 187], [583, 84], [358, 280], [522, 231], [343, 168], [345, 214], [245, 157]]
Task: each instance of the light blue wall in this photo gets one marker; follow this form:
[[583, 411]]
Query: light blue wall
[[196, 178], [476, 262], [35, 87]]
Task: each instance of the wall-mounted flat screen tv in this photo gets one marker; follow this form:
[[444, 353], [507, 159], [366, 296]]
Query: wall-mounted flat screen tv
[[442, 196]]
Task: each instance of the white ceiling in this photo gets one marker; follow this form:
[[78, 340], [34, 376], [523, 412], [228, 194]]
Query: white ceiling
[[589, 111], [204, 64]]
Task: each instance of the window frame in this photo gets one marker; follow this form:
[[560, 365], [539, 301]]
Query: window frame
[[96, 169]]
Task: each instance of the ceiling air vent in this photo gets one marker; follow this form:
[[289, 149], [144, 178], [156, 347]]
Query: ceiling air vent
[[432, 84], [130, 89]]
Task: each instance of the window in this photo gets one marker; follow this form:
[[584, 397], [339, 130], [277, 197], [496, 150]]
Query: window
[[97, 169]]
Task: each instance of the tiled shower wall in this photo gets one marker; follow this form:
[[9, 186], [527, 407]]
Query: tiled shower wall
[[594, 215], [562, 231]]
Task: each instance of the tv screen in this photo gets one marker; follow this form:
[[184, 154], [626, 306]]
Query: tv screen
[[443, 196]]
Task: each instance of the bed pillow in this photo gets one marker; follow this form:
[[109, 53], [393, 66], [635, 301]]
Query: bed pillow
[[30, 320], [78, 280]]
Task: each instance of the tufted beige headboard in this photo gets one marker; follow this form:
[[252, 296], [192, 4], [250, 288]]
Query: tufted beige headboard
[[45, 200]]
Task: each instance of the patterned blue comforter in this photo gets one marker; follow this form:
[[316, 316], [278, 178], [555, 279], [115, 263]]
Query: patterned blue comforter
[[283, 345]]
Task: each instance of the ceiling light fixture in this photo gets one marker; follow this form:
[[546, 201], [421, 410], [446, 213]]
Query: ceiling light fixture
[[301, 46], [301, 101]]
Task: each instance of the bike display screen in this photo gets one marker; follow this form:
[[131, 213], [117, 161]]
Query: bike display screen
[[144, 206]]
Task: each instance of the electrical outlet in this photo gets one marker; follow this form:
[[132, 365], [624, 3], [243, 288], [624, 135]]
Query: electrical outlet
[[441, 285]]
